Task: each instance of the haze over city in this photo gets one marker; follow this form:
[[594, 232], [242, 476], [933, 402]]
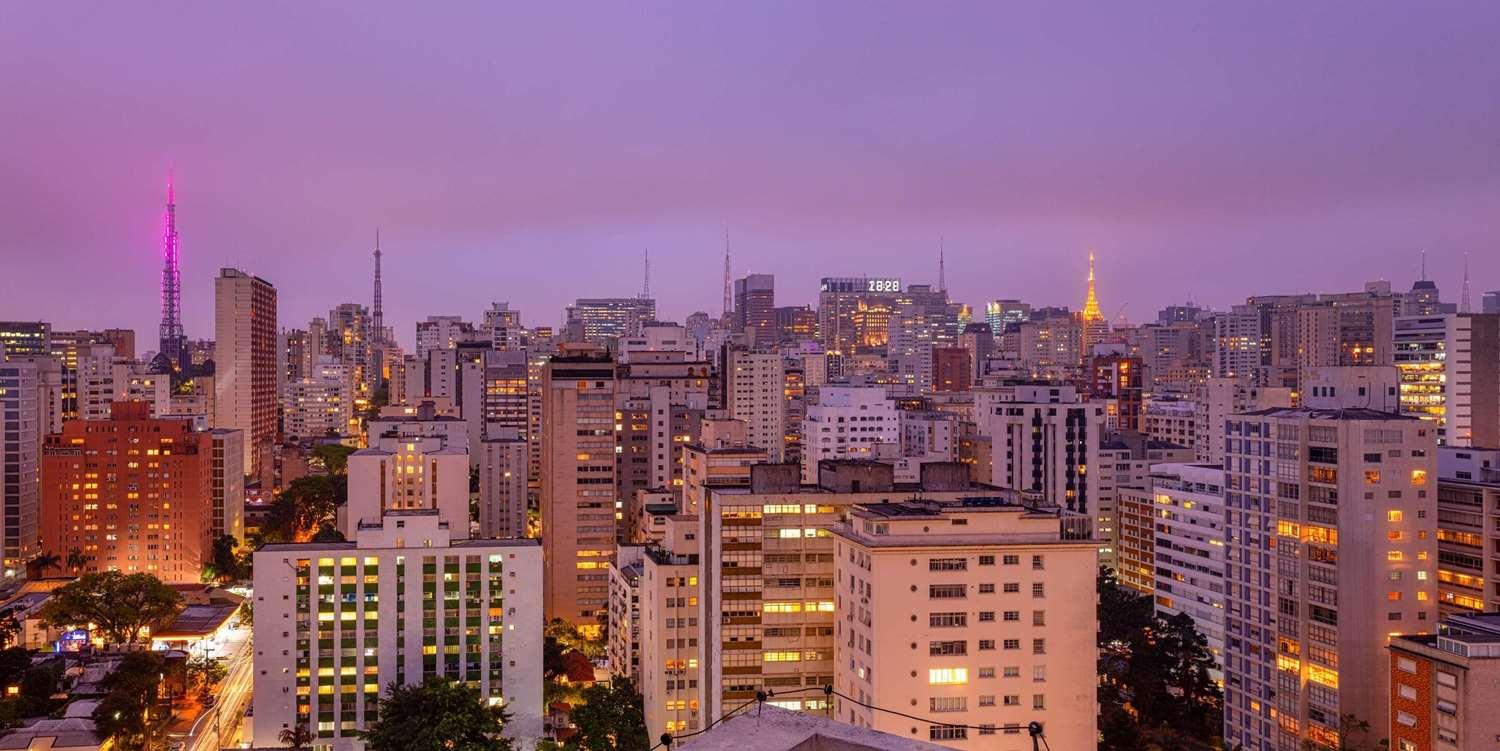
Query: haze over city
[[496, 145]]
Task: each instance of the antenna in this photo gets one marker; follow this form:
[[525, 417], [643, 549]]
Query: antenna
[[728, 285], [377, 317], [1424, 265], [942, 275], [1463, 299], [646, 286]]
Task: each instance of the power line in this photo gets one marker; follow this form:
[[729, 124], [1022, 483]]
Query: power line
[[1038, 738]]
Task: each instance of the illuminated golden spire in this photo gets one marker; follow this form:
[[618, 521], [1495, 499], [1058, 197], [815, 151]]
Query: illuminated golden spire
[[1091, 304]]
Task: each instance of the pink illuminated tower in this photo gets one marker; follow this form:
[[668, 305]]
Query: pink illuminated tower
[[173, 342]]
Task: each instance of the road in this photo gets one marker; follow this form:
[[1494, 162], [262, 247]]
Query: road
[[218, 727]]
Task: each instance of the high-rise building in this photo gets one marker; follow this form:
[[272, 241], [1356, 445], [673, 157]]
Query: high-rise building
[[578, 485], [1002, 594], [349, 338], [1001, 313], [132, 493], [847, 422], [1322, 501], [1471, 389], [606, 318], [952, 369], [245, 375], [1221, 398], [320, 404], [623, 650], [171, 350], [1468, 535], [854, 312], [1118, 379], [796, 324], [1444, 686], [19, 338], [1419, 354], [1125, 462], [21, 406], [502, 485], [462, 609], [754, 391], [1045, 441], [403, 473], [1237, 344], [1189, 548], [755, 308], [1490, 303], [442, 332], [227, 484]]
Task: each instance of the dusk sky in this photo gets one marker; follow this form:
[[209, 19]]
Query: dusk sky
[[530, 153]]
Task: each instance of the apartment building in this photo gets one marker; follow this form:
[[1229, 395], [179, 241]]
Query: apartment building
[[1444, 686], [1189, 548], [979, 611]]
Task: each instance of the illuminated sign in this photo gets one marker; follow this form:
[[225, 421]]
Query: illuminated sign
[[883, 285]]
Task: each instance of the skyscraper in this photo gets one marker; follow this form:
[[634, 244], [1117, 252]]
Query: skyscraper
[[755, 307], [20, 449], [1095, 325], [171, 349], [245, 362]]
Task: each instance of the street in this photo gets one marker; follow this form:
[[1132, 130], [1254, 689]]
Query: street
[[219, 727]]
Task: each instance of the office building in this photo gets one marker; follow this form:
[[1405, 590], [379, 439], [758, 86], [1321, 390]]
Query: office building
[[755, 308], [20, 338], [329, 644], [132, 493], [245, 375], [854, 312], [21, 405], [795, 325], [1420, 354], [952, 369], [578, 486], [1002, 594], [1351, 508], [606, 318], [1444, 686]]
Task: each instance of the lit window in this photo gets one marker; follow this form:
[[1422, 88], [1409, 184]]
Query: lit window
[[947, 676]]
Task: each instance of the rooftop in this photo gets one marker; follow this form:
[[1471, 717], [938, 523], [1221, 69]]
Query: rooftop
[[1352, 413], [770, 728]]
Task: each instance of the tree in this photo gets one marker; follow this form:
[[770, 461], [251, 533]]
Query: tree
[[334, 457], [203, 674], [77, 560], [1154, 684], [37, 567], [436, 715], [570, 638], [328, 533], [297, 738], [10, 628], [224, 565], [611, 718], [120, 605], [305, 505], [132, 713]]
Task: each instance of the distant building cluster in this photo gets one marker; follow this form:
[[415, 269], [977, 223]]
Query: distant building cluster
[[901, 497]]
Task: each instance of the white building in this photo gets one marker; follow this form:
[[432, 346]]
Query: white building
[[320, 405], [754, 386], [228, 483], [245, 374], [1190, 548], [407, 473], [337, 623], [847, 422], [502, 487], [1044, 440]]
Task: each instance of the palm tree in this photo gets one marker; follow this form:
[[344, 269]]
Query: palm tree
[[297, 738], [77, 560], [37, 567]]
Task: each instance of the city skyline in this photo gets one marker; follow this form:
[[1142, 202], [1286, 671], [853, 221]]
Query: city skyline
[[848, 143]]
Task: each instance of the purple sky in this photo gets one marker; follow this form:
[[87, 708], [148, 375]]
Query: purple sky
[[1211, 150]]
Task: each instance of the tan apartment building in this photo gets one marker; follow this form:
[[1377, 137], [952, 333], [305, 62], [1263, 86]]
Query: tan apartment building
[[975, 612], [578, 486]]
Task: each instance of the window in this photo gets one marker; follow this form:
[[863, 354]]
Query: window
[[1012, 587], [986, 616], [1406, 692], [1012, 643], [986, 672], [947, 676], [947, 732], [1038, 701], [948, 704], [1036, 563], [987, 589], [1038, 617], [986, 560], [1012, 700], [1039, 646], [947, 647], [987, 700], [1406, 718], [947, 591], [986, 644], [1419, 477], [947, 620], [1011, 560], [1372, 476], [1012, 615], [1039, 674], [1038, 589], [948, 564], [1394, 515]]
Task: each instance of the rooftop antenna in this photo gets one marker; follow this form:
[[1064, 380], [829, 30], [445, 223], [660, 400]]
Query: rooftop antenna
[[1424, 265], [728, 285], [1463, 299], [942, 272], [377, 317], [646, 287]]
